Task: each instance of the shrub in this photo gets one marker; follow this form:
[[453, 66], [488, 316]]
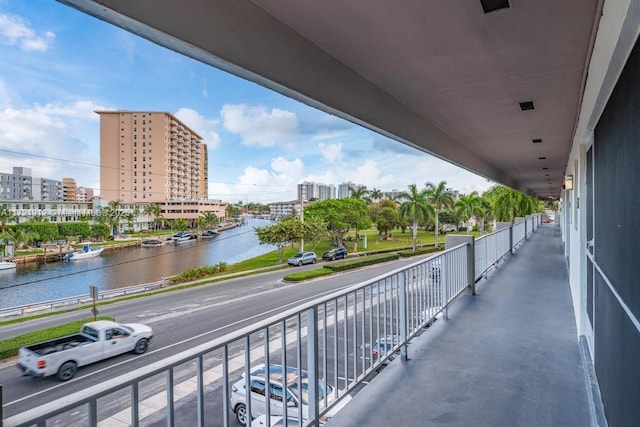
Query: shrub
[[419, 251], [361, 262], [306, 275]]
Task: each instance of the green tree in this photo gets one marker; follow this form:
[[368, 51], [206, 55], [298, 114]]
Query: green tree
[[339, 215], [315, 230], [507, 204], [154, 211], [416, 207], [6, 216], [208, 220], [179, 224], [359, 193], [467, 206], [387, 220], [375, 195], [440, 199], [281, 234]]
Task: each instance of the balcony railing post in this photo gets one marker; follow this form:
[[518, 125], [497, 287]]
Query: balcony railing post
[[471, 265], [402, 287], [511, 227], [443, 283], [312, 363]]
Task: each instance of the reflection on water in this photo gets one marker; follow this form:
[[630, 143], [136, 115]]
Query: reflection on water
[[126, 267]]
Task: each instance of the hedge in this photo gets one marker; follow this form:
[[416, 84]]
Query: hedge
[[306, 275], [361, 262]]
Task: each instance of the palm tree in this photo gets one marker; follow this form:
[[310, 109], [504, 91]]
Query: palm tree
[[467, 206], [154, 211], [440, 199], [116, 214], [208, 220], [179, 224], [359, 193], [376, 195], [6, 216], [507, 204], [24, 238], [415, 206]]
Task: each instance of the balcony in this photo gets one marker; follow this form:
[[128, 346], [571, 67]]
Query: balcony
[[506, 356]]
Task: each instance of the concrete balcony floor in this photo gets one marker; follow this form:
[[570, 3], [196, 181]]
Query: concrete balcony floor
[[509, 356]]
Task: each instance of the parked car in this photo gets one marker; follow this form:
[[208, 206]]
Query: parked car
[[296, 403], [336, 253], [383, 345], [303, 258]]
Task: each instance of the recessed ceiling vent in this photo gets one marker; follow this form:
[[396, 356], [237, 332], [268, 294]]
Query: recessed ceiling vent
[[528, 105], [536, 141], [491, 5], [542, 158]]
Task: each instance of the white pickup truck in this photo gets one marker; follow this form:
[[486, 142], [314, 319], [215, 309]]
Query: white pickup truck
[[96, 341]]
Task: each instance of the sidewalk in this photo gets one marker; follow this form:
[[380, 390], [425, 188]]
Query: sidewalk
[[506, 357]]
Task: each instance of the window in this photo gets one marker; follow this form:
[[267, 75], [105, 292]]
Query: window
[[257, 387]]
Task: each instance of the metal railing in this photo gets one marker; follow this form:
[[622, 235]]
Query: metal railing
[[21, 310], [490, 249], [333, 344]]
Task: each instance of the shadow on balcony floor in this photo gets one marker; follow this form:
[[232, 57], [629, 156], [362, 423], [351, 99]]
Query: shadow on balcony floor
[[506, 357]]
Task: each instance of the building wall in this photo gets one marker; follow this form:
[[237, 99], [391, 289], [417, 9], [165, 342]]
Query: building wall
[[598, 219], [617, 247], [150, 157]]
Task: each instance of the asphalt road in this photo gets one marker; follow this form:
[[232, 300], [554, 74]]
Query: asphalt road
[[181, 320]]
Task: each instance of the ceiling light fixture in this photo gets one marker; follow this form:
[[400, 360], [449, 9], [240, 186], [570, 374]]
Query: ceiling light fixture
[[491, 5], [527, 105]]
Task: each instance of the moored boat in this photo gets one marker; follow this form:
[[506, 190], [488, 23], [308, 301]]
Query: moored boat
[[151, 243], [209, 234], [181, 237], [7, 265], [85, 253]]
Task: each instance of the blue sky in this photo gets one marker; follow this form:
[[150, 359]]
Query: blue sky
[[58, 65]]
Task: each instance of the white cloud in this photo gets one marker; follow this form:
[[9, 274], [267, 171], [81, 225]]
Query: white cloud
[[259, 127], [331, 152], [50, 132], [16, 30], [204, 127]]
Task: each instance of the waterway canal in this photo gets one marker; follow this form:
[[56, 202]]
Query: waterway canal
[[126, 267]]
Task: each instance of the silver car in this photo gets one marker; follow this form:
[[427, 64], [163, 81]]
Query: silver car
[[303, 258]]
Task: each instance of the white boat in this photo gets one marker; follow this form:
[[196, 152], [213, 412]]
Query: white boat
[[181, 237], [209, 234], [151, 243], [7, 265], [86, 252]]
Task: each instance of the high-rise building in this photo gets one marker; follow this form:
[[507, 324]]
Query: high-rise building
[[344, 189], [316, 191], [69, 190], [150, 157]]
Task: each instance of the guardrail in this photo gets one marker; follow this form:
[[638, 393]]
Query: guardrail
[[79, 299], [331, 345]]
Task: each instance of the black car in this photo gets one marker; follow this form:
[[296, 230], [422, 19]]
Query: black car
[[336, 253]]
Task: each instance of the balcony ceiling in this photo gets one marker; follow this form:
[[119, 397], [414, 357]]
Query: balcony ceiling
[[441, 76]]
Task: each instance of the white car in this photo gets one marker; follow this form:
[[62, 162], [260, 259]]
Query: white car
[[303, 258], [296, 403]]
